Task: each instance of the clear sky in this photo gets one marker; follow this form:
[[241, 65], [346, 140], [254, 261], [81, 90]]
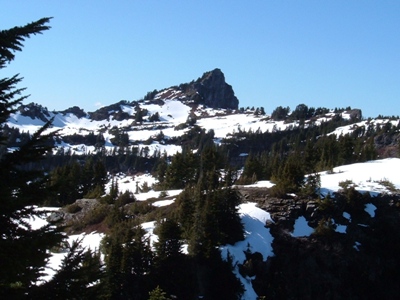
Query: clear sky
[[329, 53]]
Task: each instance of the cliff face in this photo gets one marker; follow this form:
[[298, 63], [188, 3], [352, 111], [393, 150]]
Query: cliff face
[[210, 90], [214, 91]]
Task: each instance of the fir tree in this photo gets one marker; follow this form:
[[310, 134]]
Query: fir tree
[[78, 277], [128, 262], [158, 294], [24, 250]]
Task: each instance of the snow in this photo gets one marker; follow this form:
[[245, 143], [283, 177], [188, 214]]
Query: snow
[[366, 123], [366, 176], [257, 237], [133, 184], [88, 241], [149, 228], [163, 203], [262, 183], [39, 222]]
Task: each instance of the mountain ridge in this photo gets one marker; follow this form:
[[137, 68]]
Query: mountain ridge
[[158, 120]]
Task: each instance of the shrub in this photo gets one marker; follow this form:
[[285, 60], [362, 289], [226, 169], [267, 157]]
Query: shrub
[[346, 184], [163, 194], [326, 205], [96, 215], [325, 227], [125, 198], [388, 184]]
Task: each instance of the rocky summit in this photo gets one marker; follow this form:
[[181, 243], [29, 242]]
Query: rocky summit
[[214, 91]]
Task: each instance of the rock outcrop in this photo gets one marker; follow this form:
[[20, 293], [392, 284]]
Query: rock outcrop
[[210, 90], [34, 110], [214, 91], [360, 262]]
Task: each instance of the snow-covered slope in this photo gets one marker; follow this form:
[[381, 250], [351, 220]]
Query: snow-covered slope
[[171, 113], [370, 176]]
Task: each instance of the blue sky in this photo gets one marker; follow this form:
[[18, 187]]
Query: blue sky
[[273, 53]]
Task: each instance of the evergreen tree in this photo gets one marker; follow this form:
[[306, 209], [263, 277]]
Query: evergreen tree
[[128, 262], [24, 250], [173, 270], [78, 277], [162, 167], [252, 170], [290, 176], [158, 294], [169, 242]]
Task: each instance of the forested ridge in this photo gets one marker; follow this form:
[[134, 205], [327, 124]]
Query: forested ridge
[[57, 168]]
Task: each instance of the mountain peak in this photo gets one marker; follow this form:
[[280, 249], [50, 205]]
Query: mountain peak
[[214, 90], [210, 89]]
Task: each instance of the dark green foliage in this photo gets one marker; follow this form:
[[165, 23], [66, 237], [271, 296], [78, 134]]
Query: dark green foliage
[[24, 251], [158, 294], [95, 216], [173, 270], [209, 218], [181, 171], [327, 205], [311, 146], [150, 95], [161, 169], [355, 201], [128, 262], [253, 170], [78, 277], [121, 137], [290, 176], [125, 198], [89, 140], [77, 180], [216, 279], [11, 39], [325, 228], [302, 112], [169, 240], [311, 186], [155, 117], [280, 113]]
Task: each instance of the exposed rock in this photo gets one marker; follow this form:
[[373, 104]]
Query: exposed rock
[[355, 114], [215, 92], [210, 90], [34, 110], [114, 110], [74, 213], [75, 110], [361, 263]]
